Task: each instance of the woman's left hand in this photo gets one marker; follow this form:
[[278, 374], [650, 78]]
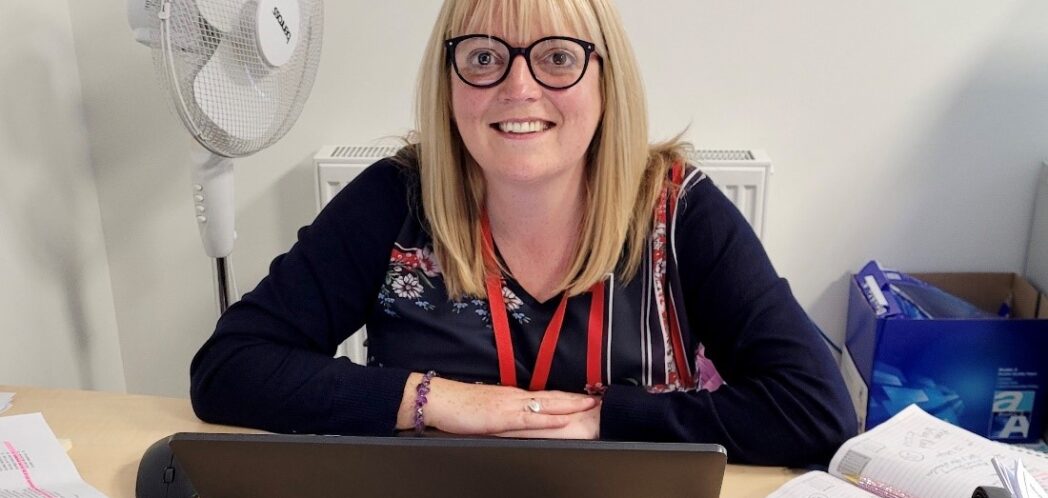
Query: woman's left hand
[[583, 425]]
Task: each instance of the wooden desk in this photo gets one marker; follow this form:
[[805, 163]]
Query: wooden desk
[[109, 432]]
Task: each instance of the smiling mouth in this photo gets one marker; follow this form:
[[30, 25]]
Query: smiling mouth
[[522, 127]]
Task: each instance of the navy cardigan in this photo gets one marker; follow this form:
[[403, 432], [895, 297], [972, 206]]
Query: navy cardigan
[[269, 362]]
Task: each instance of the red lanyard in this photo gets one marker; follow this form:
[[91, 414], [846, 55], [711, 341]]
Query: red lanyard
[[500, 322]]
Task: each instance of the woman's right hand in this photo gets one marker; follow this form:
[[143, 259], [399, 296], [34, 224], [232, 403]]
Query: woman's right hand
[[463, 408]]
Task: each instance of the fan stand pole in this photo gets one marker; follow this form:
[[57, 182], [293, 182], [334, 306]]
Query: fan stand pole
[[226, 292]]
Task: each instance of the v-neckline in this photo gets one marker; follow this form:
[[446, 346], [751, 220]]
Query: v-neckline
[[514, 285]]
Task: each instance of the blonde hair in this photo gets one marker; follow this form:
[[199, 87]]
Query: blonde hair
[[624, 175]]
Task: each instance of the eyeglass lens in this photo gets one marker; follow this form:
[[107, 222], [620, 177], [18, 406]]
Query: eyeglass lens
[[557, 63]]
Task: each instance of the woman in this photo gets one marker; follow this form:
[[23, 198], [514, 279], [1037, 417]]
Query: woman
[[531, 268]]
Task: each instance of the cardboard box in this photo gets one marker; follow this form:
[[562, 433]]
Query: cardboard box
[[989, 376]]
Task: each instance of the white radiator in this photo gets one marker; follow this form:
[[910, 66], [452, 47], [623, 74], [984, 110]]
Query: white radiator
[[742, 175]]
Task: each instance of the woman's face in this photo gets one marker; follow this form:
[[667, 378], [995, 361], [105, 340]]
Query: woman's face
[[558, 125]]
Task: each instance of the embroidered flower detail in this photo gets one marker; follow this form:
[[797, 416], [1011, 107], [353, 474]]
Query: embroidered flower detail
[[408, 278], [405, 258], [407, 286], [427, 261], [659, 256], [384, 297], [659, 235], [513, 302], [485, 317], [708, 377], [425, 305], [596, 389], [664, 388]]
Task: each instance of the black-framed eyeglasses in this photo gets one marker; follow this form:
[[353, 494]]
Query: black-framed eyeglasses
[[483, 61]]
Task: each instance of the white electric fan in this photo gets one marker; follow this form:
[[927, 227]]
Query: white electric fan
[[238, 73]]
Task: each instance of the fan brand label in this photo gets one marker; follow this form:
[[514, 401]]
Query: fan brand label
[[283, 25]]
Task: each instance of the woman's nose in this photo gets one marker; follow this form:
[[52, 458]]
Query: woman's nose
[[519, 83]]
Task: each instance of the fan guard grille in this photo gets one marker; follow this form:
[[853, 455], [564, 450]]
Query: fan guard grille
[[208, 58]]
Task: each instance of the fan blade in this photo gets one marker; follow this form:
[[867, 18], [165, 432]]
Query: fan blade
[[224, 15], [236, 101]]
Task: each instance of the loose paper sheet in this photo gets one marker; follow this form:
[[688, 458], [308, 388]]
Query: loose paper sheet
[[33, 463], [5, 401]]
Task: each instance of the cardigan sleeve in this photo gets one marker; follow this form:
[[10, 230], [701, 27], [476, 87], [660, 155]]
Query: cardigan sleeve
[[269, 363], [784, 401]]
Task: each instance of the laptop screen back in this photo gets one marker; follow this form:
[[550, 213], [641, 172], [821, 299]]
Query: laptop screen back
[[271, 466]]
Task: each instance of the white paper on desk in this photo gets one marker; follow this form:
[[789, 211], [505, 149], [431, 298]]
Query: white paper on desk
[[928, 458], [33, 463], [817, 484], [5, 401]]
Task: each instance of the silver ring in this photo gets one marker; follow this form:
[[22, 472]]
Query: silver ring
[[533, 406]]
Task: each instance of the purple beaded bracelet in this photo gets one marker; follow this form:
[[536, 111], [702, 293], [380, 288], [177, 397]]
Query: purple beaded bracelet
[[420, 400]]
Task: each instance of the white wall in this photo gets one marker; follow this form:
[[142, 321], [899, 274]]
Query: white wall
[[57, 319], [910, 132], [906, 131]]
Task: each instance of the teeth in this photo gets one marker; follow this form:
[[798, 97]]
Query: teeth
[[518, 127]]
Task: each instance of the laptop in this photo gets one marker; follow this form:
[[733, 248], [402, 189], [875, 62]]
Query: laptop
[[277, 465]]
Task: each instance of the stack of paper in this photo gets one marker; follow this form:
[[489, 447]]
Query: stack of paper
[[1016, 479], [33, 463]]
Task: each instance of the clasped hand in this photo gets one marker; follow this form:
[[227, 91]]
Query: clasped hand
[[478, 409]]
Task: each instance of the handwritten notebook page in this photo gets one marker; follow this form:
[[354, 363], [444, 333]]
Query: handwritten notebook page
[[818, 484], [928, 458]]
